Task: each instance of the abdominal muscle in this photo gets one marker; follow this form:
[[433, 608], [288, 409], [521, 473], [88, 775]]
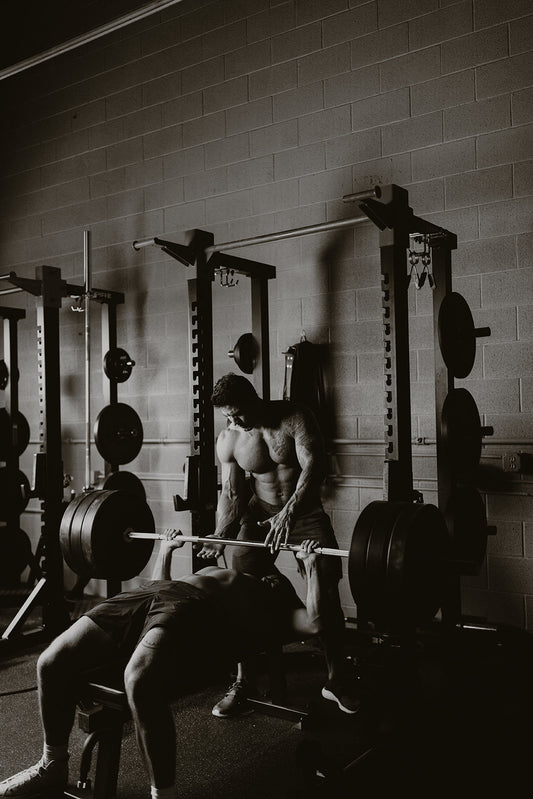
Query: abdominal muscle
[[277, 486], [261, 455]]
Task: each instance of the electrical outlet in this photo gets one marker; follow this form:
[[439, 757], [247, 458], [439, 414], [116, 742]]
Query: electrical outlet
[[512, 462]]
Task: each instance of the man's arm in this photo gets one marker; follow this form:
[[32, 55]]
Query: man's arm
[[163, 561], [231, 501], [311, 456], [308, 620]]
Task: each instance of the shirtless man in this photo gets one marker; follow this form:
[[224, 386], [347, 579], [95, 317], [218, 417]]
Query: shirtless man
[[279, 444], [165, 637]]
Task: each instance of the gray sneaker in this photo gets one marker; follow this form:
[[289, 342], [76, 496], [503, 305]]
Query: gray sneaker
[[37, 781], [235, 702]]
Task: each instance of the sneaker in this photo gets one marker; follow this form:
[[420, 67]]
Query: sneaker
[[235, 702], [345, 697], [37, 781]]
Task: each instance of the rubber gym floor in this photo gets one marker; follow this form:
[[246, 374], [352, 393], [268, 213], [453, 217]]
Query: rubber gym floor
[[434, 722]]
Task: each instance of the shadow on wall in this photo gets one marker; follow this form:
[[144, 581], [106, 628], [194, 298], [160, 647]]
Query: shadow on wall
[[337, 248]]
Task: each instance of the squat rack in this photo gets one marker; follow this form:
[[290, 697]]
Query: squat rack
[[11, 317], [201, 487], [48, 477], [388, 208]]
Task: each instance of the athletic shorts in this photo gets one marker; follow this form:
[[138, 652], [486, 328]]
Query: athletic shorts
[[313, 524], [178, 606]]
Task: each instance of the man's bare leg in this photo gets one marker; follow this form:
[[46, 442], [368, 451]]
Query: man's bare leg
[[149, 677], [81, 647]]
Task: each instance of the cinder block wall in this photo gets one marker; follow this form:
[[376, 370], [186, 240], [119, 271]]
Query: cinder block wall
[[243, 118]]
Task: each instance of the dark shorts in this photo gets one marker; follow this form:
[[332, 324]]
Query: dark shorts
[[177, 606], [313, 524]]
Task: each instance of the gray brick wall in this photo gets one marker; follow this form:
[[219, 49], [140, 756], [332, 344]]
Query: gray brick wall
[[247, 118]]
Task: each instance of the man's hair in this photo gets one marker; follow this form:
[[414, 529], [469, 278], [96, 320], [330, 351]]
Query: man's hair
[[233, 390]]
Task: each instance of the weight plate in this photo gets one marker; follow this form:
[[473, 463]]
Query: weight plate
[[14, 493], [15, 555], [245, 353], [4, 375], [357, 576], [457, 338], [467, 509], [461, 433], [71, 542], [125, 481], [118, 365], [118, 433], [95, 537], [387, 514], [112, 516], [22, 432], [417, 565]]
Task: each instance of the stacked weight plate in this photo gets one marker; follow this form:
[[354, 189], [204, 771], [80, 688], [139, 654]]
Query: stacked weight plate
[[461, 436]]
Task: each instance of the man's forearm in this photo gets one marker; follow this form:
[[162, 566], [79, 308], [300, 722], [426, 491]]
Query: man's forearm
[[313, 601], [161, 570], [228, 514], [307, 487]]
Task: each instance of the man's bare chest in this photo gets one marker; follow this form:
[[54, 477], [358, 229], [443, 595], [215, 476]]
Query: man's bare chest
[[263, 451]]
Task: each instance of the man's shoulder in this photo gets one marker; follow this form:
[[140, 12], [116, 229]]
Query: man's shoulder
[[226, 441], [291, 417], [281, 589], [287, 411]]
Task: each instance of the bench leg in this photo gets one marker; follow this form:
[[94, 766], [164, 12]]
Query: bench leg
[[107, 762]]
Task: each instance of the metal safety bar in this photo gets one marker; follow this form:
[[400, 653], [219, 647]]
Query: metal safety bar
[[279, 236], [14, 290], [287, 234]]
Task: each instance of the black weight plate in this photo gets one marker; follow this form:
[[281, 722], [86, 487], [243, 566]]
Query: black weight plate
[[457, 338], [23, 433], [14, 493], [461, 433], [4, 375], [358, 551], [124, 481], [107, 551], [70, 536], [64, 535], [469, 529], [385, 514], [417, 565], [118, 365], [245, 353], [15, 555], [118, 433]]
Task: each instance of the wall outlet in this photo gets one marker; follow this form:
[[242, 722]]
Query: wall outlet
[[512, 462]]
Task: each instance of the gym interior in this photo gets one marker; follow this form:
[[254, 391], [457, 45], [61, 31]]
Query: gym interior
[[335, 200]]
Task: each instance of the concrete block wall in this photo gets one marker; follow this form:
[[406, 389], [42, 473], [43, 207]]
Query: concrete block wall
[[249, 118]]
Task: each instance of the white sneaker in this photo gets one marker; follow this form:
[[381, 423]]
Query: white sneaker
[[37, 781]]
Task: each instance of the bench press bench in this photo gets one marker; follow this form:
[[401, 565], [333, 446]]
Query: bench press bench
[[103, 711]]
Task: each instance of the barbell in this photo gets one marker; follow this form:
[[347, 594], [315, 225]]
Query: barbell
[[230, 542], [397, 561]]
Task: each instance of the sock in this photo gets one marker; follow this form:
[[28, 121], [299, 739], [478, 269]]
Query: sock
[[54, 752], [164, 793]]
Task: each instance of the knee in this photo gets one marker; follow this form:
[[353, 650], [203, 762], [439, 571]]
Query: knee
[[49, 666], [140, 688]]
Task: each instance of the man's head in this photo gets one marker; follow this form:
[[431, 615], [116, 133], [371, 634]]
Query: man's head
[[237, 400]]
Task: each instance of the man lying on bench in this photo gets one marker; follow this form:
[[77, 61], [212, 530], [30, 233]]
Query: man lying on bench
[[163, 635]]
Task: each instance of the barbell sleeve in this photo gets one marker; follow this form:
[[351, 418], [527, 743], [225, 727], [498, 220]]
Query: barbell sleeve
[[195, 539]]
